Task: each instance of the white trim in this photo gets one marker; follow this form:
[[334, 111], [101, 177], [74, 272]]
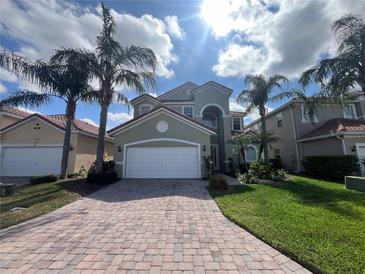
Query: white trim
[[213, 105], [154, 114], [27, 120], [257, 153], [330, 135], [220, 87], [353, 111], [158, 140], [295, 138], [188, 106], [144, 105]]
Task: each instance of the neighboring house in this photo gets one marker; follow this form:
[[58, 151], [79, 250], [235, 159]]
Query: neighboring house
[[9, 116], [334, 131], [32, 145], [175, 134]]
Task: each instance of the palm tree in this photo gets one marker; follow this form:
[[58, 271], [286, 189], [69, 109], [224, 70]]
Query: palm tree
[[65, 79], [259, 94], [242, 140], [263, 138], [114, 65], [339, 75]]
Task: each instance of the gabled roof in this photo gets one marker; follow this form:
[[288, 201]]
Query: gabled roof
[[59, 121], [177, 89], [14, 112], [213, 83], [165, 109], [145, 95], [336, 126]]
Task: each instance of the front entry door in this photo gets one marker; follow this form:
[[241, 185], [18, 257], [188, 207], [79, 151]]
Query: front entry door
[[214, 151]]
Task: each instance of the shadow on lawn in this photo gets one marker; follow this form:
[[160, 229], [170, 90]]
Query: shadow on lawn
[[330, 198]]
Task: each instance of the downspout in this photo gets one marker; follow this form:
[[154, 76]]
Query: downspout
[[295, 139], [342, 138]]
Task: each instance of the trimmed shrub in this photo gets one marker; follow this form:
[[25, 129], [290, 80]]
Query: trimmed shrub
[[102, 178], [217, 182], [262, 171], [43, 179], [330, 167]]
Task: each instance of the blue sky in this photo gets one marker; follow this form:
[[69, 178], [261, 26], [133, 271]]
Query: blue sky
[[198, 41]]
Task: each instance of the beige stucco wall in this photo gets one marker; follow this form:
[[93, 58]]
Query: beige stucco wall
[[6, 120], [147, 130], [37, 132]]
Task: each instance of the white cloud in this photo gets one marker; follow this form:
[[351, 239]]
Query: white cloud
[[3, 88], [275, 36], [117, 118], [7, 76], [91, 122], [254, 114], [237, 60], [153, 94], [173, 27], [70, 25], [234, 106]]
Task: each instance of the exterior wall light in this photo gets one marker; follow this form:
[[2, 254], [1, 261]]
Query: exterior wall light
[[119, 149], [353, 149], [204, 148]]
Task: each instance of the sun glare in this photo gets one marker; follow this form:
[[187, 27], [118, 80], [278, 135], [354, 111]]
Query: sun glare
[[216, 13]]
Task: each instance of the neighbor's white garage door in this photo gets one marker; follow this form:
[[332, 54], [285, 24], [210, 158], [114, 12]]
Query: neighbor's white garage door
[[30, 161], [162, 162]]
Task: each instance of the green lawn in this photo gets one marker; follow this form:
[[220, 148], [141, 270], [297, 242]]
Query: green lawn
[[41, 199], [317, 223]]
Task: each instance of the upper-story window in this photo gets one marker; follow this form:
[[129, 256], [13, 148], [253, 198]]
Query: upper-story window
[[144, 108], [210, 120], [236, 123], [349, 112], [279, 120], [188, 111], [306, 117]]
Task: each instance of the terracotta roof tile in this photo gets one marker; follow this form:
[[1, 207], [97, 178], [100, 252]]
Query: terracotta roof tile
[[59, 120], [337, 125], [15, 111]]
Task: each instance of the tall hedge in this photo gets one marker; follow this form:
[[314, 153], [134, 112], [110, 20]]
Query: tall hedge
[[330, 167]]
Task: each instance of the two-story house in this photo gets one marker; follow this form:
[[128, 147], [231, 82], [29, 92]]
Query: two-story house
[[175, 134], [334, 130]]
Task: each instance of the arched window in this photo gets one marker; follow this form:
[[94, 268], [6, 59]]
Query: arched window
[[210, 120], [251, 153]]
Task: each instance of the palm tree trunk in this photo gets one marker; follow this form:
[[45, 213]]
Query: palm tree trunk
[[101, 137], [263, 129], [70, 116]]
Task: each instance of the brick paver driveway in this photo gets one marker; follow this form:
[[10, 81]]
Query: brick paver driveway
[[139, 226]]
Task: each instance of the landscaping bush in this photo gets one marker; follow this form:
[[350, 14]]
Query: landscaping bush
[[330, 167], [217, 182], [102, 178], [43, 179], [262, 171]]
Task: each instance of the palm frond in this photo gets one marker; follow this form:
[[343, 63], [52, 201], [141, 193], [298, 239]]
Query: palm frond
[[26, 98], [285, 95], [276, 80]]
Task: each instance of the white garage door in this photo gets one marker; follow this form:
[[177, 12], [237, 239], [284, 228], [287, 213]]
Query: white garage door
[[162, 162], [30, 161]]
